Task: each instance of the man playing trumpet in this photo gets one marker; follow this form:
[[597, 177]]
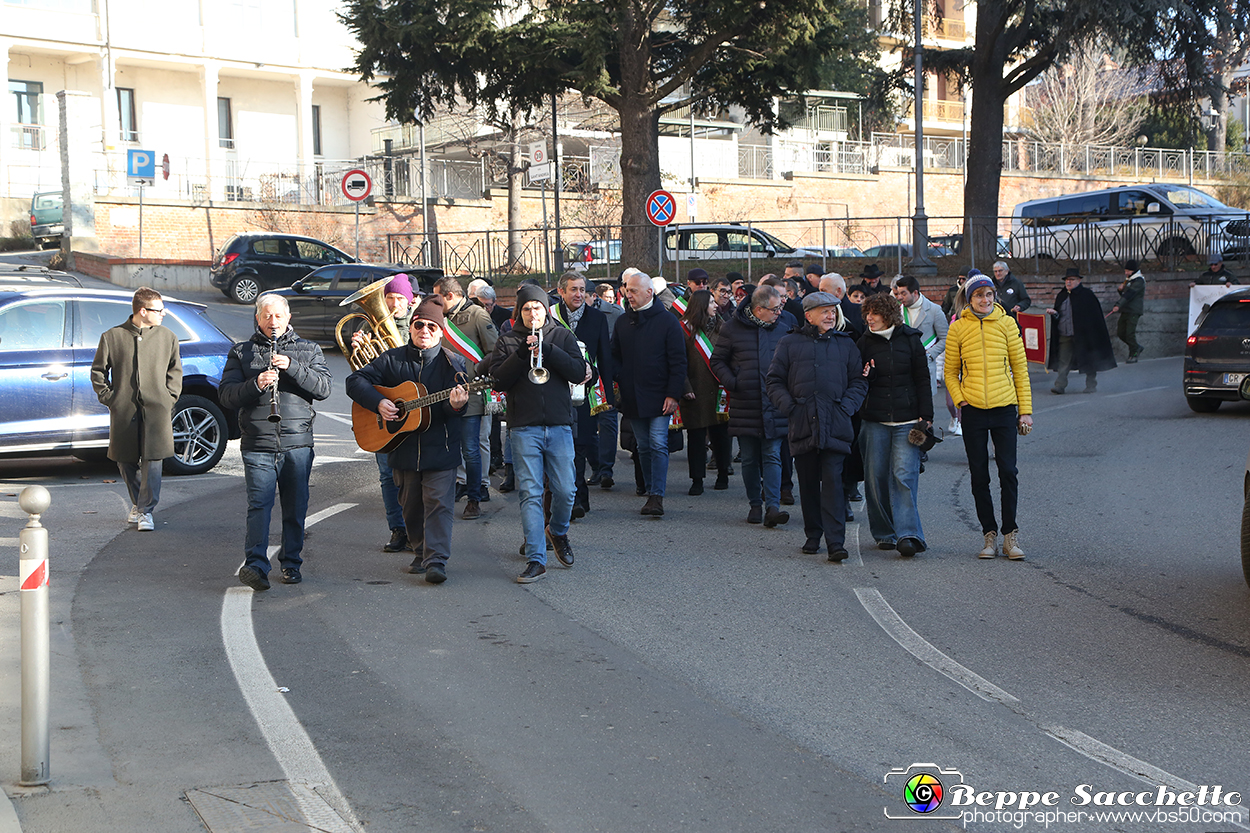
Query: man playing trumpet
[[424, 463], [534, 364]]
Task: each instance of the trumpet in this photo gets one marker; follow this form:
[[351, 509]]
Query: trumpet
[[538, 374], [275, 414]]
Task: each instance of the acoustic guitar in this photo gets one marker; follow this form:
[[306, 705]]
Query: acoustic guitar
[[373, 433]]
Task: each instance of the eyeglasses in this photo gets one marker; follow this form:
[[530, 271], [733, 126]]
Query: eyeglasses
[[777, 308], [160, 311], [426, 325]]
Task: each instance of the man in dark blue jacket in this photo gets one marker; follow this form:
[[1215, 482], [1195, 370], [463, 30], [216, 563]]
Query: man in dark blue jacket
[[740, 358], [817, 381], [590, 327], [540, 422], [277, 453], [424, 463], [650, 353]]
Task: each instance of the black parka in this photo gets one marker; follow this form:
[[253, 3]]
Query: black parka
[[740, 358], [306, 379], [818, 382], [899, 387]]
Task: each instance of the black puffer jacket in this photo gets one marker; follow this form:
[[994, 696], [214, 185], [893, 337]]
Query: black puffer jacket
[[306, 379], [818, 382], [740, 359], [436, 448], [899, 389], [528, 403]]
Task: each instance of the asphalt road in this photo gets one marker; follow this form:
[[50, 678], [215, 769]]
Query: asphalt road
[[689, 673]]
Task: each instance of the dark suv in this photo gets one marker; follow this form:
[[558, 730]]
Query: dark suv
[[315, 299], [252, 261], [48, 338], [1217, 355]]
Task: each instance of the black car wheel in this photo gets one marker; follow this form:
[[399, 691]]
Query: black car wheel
[[1245, 533], [200, 436], [244, 290], [1202, 404]]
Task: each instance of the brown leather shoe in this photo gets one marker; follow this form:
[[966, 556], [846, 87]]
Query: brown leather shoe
[[471, 511], [653, 506]]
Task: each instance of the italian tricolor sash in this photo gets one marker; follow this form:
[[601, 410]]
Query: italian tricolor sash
[[907, 319], [680, 304], [703, 343], [462, 344], [597, 396]]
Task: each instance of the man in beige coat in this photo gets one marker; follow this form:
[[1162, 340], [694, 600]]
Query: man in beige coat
[[137, 375]]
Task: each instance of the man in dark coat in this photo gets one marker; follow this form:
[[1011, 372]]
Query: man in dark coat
[[816, 379], [740, 358], [1009, 290], [871, 280], [277, 455], [1080, 329], [590, 327], [1131, 305], [137, 375], [650, 354], [540, 422], [424, 463]]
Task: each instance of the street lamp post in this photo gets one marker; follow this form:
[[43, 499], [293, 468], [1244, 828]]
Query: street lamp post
[[920, 265]]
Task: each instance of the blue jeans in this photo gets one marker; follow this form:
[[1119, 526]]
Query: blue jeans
[[652, 437], [390, 493], [891, 481], [761, 464], [539, 450], [608, 430], [286, 472], [472, 450]]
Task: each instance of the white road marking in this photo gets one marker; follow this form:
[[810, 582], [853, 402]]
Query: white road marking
[[1078, 741], [346, 420], [917, 646], [1143, 390], [285, 735], [852, 544]]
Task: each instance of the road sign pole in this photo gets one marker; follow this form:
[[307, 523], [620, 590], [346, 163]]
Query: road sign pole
[[140, 219], [36, 647], [358, 231], [659, 260]]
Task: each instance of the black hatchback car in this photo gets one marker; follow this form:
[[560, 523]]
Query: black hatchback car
[[252, 261], [1217, 355], [315, 299]]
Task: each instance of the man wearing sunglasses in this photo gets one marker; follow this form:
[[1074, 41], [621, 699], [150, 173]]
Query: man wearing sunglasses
[[424, 464], [137, 375]]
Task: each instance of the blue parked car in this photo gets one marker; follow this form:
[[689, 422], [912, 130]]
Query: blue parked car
[[48, 338]]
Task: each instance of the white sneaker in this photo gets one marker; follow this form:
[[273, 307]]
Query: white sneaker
[[955, 429], [145, 522], [134, 516]]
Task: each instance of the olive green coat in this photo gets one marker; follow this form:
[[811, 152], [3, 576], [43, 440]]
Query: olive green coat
[[137, 375]]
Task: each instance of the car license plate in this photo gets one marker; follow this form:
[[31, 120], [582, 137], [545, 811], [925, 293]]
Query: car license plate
[[1233, 378]]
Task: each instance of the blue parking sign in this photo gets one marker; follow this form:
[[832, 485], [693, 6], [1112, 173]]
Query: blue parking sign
[[141, 165]]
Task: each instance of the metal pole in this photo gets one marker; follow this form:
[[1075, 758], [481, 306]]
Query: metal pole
[[546, 239], [36, 648], [140, 219], [558, 183], [659, 236], [920, 263], [425, 234], [358, 229]]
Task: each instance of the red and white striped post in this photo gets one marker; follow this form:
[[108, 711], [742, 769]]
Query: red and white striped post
[[36, 647]]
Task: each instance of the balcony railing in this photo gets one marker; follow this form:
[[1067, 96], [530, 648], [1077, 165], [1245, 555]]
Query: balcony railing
[[939, 110], [29, 137], [945, 28]]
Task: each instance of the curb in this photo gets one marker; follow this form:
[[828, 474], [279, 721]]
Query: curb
[[8, 815]]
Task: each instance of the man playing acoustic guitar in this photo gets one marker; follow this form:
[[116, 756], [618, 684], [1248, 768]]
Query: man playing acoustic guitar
[[424, 462]]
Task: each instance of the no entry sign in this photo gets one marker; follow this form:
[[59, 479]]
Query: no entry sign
[[661, 208]]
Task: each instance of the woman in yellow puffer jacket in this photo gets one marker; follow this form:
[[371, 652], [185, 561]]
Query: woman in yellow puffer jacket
[[988, 377]]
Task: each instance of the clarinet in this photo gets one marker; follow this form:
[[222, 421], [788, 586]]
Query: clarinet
[[274, 414]]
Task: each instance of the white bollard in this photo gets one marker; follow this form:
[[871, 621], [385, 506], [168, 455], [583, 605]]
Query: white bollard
[[36, 647]]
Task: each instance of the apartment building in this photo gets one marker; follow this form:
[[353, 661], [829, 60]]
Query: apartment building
[[248, 98]]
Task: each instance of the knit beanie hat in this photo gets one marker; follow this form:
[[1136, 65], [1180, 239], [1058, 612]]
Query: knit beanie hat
[[430, 309], [975, 282], [527, 293], [400, 284]]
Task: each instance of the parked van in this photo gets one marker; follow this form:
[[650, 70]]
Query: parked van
[[46, 225], [1143, 222]]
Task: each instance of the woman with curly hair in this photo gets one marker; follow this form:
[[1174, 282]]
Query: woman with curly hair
[[704, 408], [900, 400]]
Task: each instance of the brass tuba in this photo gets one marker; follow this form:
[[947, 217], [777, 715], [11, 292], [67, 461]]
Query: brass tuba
[[381, 334]]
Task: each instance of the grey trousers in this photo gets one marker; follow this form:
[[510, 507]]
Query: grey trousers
[[427, 498], [143, 483], [1064, 366]]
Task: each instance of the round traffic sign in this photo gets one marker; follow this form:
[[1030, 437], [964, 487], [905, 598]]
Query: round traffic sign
[[661, 208], [356, 185]]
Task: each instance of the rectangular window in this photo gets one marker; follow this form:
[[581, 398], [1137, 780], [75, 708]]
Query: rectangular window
[[27, 127], [225, 127], [316, 129], [126, 114]]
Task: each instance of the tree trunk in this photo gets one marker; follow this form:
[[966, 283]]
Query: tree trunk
[[985, 146], [640, 175]]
